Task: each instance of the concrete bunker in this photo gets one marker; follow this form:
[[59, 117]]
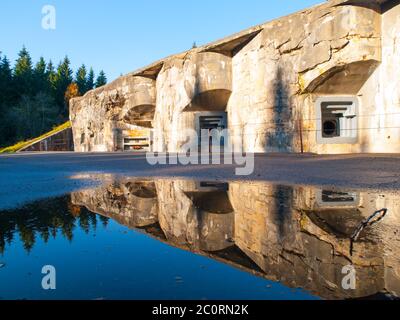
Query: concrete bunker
[[141, 104], [263, 84], [138, 115], [341, 104], [208, 83], [209, 88]]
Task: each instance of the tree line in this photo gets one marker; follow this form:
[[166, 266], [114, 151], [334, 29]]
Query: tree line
[[46, 219], [34, 97]]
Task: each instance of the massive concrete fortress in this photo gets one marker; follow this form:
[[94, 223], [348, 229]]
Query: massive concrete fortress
[[323, 80]]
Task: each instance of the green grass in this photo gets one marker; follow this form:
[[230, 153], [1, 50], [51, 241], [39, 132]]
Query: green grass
[[23, 144]]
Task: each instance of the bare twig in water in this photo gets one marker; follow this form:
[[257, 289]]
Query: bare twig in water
[[374, 218]]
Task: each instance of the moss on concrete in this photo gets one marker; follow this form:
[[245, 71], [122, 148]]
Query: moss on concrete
[[23, 144]]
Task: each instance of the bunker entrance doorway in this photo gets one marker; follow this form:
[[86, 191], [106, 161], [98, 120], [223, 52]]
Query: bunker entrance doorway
[[211, 129]]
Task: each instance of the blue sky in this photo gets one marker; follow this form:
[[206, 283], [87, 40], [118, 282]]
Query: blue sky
[[122, 35]]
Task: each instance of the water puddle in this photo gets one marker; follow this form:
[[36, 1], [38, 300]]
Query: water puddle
[[182, 239]]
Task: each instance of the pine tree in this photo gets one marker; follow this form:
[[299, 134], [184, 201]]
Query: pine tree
[[101, 79], [24, 63], [63, 80], [40, 67], [90, 80], [22, 75], [51, 78], [40, 78], [80, 79], [5, 81], [5, 69], [5, 99], [64, 71]]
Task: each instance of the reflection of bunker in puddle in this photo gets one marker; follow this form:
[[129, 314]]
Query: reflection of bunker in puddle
[[145, 190], [132, 203], [213, 216], [299, 236], [208, 214], [215, 202], [336, 212], [340, 222]]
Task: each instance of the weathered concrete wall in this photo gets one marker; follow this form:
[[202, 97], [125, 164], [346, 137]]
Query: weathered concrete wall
[[268, 80], [381, 94], [280, 73], [187, 84], [141, 104], [127, 103], [378, 97]]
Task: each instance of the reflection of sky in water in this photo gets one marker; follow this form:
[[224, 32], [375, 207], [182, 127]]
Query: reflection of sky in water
[[165, 239]]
